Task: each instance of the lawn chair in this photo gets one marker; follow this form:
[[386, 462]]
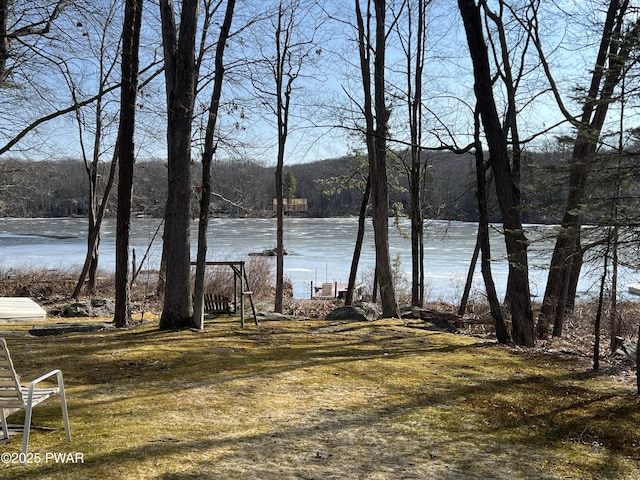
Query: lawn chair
[[14, 397]]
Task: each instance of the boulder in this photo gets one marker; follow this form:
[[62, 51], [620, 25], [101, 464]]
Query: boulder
[[348, 312], [96, 307], [101, 307], [625, 348], [61, 328], [442, 320], [77, 309]]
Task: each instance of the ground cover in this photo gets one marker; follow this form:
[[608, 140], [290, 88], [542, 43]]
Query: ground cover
[[310, 399]]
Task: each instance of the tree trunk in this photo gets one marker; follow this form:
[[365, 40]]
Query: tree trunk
[[415, 175], [180, 75], [279, 300], [130, 48], [207, 157], [378, 171], [417, 234], [567, 253], [598, 319], [638, 361], [4, 39], [93, 238], [93, 248], [506, 185], [469, 282], [483, 241], [362, 217], [376, 137], [566, 261], [283, 92]]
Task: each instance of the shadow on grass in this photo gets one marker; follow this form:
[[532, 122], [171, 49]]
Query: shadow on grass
[[468, 409], [273, 454]]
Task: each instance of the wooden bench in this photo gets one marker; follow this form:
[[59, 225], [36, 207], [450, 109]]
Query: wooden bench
[[214, 303]]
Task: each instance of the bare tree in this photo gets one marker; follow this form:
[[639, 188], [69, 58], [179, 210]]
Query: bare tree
[[180, 77], [413, 43], [31, 21], [107, 51], [483, 240], [505, 173], [32, 55], [209, 150], [294, 29], [126, 154], [613, 53], [372, 48]]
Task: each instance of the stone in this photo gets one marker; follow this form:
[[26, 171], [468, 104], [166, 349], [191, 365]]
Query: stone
[[61, 328], [97, 307], [348, 312], [102, 307], [77, 309]]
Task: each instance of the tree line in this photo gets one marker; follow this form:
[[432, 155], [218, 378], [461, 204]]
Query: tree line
[[244, 188]]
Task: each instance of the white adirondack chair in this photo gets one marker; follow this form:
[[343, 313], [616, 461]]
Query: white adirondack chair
[[14, 397]]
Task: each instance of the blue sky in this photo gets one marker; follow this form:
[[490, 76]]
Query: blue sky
[[320, 103]]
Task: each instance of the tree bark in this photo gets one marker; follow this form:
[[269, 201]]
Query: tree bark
[[376, 138], [130, 48], [362, 217], [506, 185], [207, 157], [415, 174], [180, 75], [279, 297], [638, 361], [566, 261], [483, 242]]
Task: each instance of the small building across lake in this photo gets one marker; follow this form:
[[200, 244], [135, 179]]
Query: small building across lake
[[292, 205]]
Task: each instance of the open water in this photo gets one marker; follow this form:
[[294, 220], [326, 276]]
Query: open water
[[320, 249]]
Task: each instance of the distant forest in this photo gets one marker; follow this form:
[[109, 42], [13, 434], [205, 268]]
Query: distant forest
[[246, 188]]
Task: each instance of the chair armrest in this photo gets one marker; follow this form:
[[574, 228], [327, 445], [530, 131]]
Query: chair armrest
[[55, 372]]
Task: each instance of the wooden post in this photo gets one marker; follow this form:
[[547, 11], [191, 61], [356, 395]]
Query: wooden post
[[242, 294], [638, 361]]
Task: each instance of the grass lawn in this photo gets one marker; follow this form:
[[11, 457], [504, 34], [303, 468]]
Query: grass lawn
[[311, 399]]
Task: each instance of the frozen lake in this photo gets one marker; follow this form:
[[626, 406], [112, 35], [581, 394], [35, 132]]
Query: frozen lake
[[320, 249]]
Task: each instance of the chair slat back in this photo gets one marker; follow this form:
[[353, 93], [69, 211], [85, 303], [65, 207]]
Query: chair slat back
[[10, 391]]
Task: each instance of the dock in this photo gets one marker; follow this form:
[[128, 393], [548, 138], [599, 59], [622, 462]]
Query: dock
[[333, 290], [21, 309]]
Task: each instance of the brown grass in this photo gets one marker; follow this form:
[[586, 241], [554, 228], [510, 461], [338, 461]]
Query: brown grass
[[388, 399], [52, 288]]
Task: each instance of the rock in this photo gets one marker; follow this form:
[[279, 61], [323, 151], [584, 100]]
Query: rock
[[101, 307], [96, 307], [60, 328], [269, 252], [625, 348], [442, 320], [276, 316], [348, 312], [78, 309], [408, 312]]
